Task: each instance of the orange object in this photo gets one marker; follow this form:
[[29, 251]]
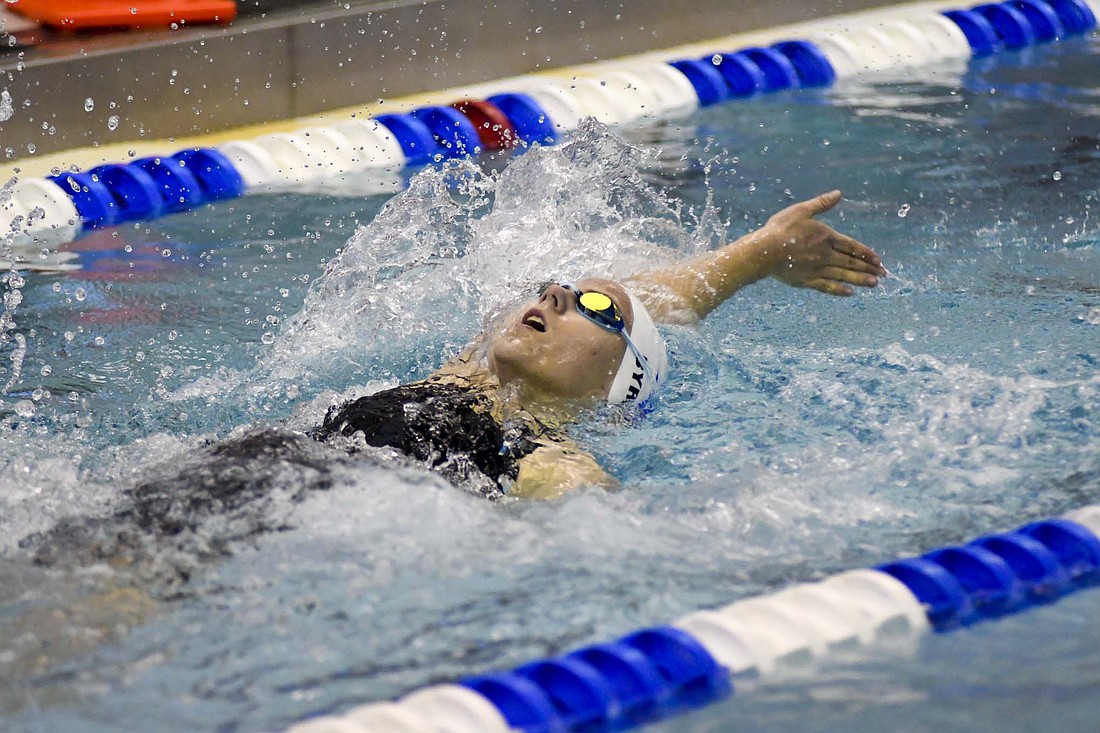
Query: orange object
[[92, 14]]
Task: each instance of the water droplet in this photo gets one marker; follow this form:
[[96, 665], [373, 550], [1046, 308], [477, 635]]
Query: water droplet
[[24, 408], [112, 122], [1093, 316], [139, 356], [6, 109], [69, 335], [1057, 175], [910, 335], [89, 104], [173, 335], [904, 210], [38, 394], [98, 341], [268, 338], [80, 294], [46, 370]]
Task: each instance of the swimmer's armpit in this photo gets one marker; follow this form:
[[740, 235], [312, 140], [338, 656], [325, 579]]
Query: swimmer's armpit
[[793, 247]]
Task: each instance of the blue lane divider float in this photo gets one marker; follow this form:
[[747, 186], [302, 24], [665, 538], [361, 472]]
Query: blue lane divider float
[[658, 672], [1044, 21], [134, 191], [113, 194], [93, 201], [1010, 25], [981, 36], [178, 188], [215, 175], [708, 81], [531, 123], [811, 65], [416, 138], [453, 131]]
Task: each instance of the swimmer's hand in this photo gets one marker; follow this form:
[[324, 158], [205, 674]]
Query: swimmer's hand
[[792, 247], [795, 248]]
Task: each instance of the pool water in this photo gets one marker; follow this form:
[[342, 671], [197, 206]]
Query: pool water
[[798, 436]]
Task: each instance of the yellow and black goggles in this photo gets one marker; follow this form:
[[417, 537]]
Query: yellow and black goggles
[[595, 306]]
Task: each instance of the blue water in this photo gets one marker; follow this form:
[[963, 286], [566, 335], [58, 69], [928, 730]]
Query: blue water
[[799, 435]]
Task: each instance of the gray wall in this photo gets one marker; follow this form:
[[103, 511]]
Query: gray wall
[[175, 83]]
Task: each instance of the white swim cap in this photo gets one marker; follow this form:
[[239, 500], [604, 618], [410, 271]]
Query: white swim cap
[[635, 382]]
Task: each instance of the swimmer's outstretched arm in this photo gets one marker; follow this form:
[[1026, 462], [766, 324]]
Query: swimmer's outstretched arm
[[792, 247]]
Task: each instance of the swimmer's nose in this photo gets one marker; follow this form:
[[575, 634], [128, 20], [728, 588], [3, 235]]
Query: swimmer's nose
[[557, 297]]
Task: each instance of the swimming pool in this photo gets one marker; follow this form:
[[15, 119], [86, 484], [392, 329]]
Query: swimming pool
[[799, 436]]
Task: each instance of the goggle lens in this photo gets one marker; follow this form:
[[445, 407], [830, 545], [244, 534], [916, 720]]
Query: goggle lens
[[597, 302]]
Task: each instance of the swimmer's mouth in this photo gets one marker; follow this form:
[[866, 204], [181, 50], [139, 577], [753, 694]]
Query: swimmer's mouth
[[533, 319]]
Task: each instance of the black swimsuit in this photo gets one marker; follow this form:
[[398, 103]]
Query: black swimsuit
[[448, 427]]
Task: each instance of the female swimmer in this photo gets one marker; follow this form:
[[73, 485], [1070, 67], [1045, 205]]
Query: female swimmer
[[496, 411], [492, 419]]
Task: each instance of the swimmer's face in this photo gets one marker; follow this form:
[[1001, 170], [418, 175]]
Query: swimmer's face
[[554, 350]]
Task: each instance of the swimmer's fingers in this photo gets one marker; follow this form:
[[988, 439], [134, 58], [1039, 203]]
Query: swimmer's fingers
[[862, 257], [831, 287], [856, 264], [842, 275]]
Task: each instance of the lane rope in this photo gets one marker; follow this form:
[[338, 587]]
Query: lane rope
[[46, 213], [705, 656]]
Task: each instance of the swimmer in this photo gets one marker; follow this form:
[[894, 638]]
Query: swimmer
[[500, 406], [493, 419]]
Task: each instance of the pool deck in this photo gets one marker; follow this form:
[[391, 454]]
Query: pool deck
[[281, 60]]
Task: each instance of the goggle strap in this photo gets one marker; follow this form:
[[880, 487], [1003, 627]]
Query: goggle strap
[[638, 355]]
